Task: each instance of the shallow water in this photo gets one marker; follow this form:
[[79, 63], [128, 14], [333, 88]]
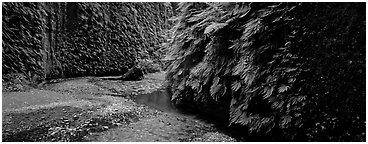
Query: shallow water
[[159, 100]]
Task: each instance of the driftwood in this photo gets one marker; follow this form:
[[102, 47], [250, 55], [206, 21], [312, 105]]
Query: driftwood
[[133, 74]]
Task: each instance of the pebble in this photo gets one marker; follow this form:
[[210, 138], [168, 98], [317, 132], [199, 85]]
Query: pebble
[[118, 124], [75, 117]]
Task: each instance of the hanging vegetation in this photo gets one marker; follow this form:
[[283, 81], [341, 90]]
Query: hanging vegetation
[[285, 71], [76, 39], [109, 38], [22, 39]]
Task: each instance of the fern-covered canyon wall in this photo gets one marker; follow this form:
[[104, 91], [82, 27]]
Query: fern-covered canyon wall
[[281, 71], [51, 40]]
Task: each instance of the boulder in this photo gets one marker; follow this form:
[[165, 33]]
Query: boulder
[[133, 74]]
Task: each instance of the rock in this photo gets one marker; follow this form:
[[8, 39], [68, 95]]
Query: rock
[[133, 74], [118, 124], [75, 117]]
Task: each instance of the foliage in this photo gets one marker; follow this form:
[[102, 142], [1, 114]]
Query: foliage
[[81, 38], [15, 82], [112, 37], [21, 41], [149, 66], [294, 71]]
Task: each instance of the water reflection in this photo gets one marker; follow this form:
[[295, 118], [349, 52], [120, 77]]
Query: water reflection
[[159, 100]]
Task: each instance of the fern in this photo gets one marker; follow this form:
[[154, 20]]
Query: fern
[[256, 60]]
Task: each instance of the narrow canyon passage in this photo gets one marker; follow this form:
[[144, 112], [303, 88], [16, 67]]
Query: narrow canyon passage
[[184, 71]]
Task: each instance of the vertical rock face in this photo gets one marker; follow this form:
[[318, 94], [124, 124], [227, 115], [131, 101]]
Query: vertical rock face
[[50, 40]]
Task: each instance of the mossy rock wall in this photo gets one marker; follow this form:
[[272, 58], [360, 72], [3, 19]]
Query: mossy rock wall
[[51, 40], [22, 50]]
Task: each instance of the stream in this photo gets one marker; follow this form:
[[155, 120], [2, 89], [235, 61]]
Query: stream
[[172, 124], [97, 110], [159, 99]]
